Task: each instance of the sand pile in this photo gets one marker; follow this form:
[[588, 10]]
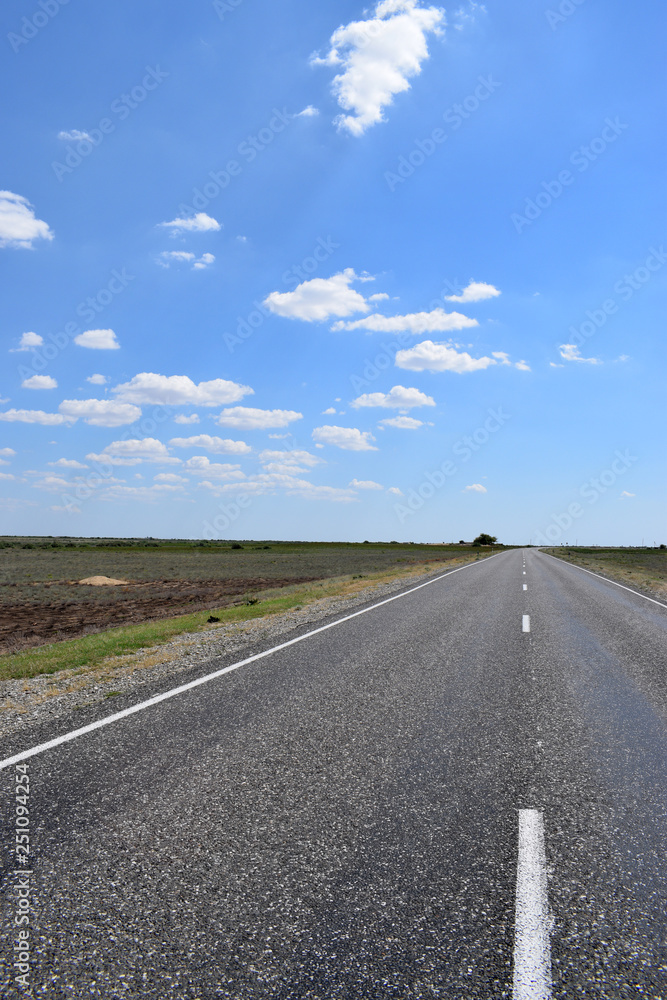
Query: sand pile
[[102, 581]]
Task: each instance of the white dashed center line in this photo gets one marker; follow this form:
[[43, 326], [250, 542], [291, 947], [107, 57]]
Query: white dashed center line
[[526, 623], [525, 586], [532, 948]]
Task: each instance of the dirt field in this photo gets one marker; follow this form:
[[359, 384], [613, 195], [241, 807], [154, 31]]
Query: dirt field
[[41, 600]]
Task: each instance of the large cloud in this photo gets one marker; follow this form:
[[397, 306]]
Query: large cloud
[[429, 356], [437, 321], [248, 418], [320, 298], [398, 397], [133, 451], [377, 58], [214, 445], [347, 438], [100, 412], [179, 390], [18, 225]]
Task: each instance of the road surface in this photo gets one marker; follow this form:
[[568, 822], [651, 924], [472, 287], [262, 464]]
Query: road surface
[[457, 793]]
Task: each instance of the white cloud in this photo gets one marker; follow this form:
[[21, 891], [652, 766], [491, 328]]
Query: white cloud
[[248, 418], [569, 352], [201, 465], [288, 462], [35, 417], [205, 260], [365, 484], [319, 298], [348, 438], [18, 225], [75, 135], [98, 340], [378, 297], [67, 463], [170, 477], [377, 57], [395, 491], [214, 445], [437, 321], [100, 412], [69, 509], [39, 382], [97, 379], [133, 451], [28, 342], [624, 495], [329, 412], [179, 390], [7, 452], [399, 397], [182, 419], [429, 356], [403, 423], [476, 291], [309, 112], [475, 488], [7, 475], [167, 257], [523, 366], [199, 223]]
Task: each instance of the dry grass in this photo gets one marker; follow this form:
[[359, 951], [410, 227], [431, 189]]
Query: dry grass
[[642, 569]]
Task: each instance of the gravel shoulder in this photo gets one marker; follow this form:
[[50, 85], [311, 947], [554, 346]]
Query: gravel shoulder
[[27, 703]]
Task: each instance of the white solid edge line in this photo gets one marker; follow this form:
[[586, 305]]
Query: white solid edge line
[[75, 733], [526, 623], [532, 947], [607, 580]]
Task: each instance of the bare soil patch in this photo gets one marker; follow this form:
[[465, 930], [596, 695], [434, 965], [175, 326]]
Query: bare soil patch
[[23, 625]]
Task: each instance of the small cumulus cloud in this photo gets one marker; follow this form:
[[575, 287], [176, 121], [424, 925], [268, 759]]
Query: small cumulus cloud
[[28, 342], [365, 484], [309, 112], [199, 223], [75, 135], [249, 418], [436, 321], [475, 488], [570, 352], [320, 298], [214, 445], [476, 291], [399, 398], [347, 438], [98, 340], [179, 390], [39, 382], [97, 379], [181, 418], [402, 423]]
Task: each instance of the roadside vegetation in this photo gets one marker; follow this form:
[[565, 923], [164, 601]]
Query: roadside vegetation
[[254, 576], [641, 568]]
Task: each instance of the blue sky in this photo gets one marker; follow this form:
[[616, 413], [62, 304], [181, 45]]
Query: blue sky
[[327, 271]]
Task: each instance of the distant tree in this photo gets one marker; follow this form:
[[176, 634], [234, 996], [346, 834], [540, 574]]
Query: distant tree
[[485, 539]]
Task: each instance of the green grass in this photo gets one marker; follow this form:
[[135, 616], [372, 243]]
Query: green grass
[[92, 650]]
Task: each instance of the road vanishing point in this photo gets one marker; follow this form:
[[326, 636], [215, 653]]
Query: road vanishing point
[[458, 792]]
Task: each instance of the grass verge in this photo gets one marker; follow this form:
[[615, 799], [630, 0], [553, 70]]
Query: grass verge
[[641, 569], [92, 650]]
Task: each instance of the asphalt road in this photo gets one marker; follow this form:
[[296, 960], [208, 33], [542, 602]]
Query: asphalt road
[[340, 818]]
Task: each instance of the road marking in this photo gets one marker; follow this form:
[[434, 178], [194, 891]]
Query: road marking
[[109, 719], [532, 948], [525, 586], [607, 580], [526, 623], [524, 572]]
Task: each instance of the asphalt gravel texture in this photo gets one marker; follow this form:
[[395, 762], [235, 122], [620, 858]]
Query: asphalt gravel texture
[[339, 819]]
